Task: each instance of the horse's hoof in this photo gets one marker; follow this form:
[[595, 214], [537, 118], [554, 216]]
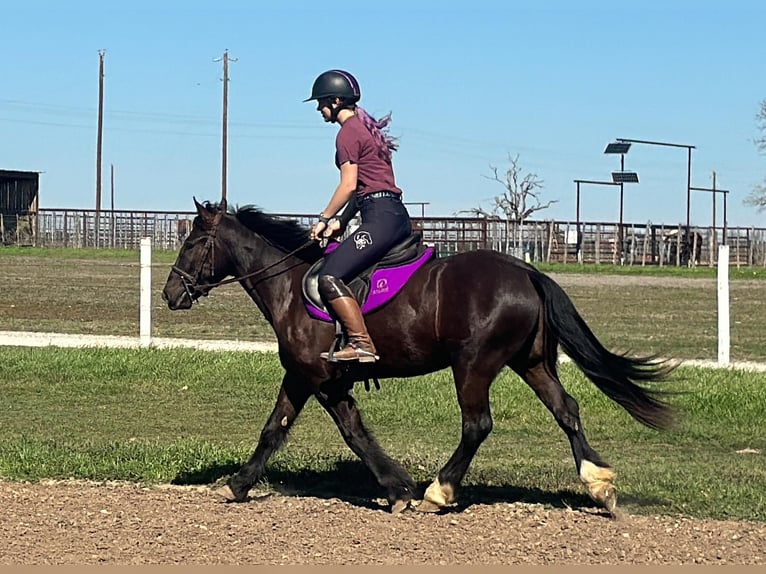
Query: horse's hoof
[[428, 506], [610, 500], [400, 506], [230, 495], [226, 493]]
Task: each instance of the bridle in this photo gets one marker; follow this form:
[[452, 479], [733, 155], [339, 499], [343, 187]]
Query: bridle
[[194, 290]]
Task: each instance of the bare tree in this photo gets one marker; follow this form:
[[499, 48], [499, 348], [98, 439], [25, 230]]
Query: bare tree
[[519, 200], [757, 196]]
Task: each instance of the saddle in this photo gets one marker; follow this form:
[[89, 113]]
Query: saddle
[[375, 286]]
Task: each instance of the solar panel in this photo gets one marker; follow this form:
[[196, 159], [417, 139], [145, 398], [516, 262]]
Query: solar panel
[[617, 147], [624, 177]]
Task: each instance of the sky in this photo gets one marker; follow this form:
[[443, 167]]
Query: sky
[[469, 85]]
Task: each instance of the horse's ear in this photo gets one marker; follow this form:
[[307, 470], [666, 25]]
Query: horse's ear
[[204, 213]]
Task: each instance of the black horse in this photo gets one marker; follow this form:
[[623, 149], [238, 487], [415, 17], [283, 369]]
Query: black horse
[[476, 312]]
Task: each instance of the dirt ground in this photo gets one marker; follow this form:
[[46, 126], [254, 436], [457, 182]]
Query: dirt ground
[[117, 524]]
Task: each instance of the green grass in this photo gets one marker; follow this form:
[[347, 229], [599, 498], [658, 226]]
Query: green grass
[[187, 416]]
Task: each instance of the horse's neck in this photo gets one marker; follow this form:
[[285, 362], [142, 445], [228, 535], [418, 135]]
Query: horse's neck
[[274, 289]]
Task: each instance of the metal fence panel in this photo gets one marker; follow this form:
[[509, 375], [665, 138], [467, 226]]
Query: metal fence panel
[[534, 241]]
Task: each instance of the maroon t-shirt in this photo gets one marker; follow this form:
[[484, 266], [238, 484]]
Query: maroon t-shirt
[[354, 143]]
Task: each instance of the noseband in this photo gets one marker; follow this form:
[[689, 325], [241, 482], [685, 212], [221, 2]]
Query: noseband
[[191, 282]]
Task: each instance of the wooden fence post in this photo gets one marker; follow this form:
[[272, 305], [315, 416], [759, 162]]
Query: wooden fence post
[[694, 251], [632, 257], [646, 243], [598, 244], [538, 243], [550, 242]]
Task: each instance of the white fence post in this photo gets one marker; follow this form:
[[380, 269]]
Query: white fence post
[[723, 305], [145, 306]]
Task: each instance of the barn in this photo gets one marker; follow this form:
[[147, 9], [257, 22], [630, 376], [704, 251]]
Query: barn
[[18, 205]]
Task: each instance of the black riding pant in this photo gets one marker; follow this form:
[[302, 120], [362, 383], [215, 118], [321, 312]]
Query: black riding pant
[[385, 222]]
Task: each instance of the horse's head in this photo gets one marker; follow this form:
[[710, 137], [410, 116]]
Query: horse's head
[[202, 261]]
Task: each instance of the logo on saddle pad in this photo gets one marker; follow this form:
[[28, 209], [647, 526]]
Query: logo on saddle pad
[[381, 286]]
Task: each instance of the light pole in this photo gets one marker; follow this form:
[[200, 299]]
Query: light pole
[[589, 182], [621, 177], [689, 149]]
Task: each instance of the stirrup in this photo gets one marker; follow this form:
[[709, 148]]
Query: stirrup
[[336, 345], [361, 356]]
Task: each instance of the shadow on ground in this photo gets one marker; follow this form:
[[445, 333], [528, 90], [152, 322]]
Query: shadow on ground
[[351, 482]]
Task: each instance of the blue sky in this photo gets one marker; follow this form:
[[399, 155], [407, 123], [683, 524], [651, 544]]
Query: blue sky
[[468, 84]]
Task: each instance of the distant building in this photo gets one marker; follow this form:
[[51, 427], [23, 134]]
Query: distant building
[[18, 205]]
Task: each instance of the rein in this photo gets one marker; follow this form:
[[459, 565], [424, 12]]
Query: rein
[[190, 282]]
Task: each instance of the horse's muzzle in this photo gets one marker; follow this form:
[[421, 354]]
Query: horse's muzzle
[[176, 298], [181, 290]]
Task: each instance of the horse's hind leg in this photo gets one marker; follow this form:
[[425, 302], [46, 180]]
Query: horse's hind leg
[[341, 406], [291, 399], [594, 473], [472, 382]]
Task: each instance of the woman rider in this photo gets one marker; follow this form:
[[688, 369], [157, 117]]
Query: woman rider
[[363, 152]]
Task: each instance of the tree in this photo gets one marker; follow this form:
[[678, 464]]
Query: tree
[[519, 200], [757, 197]]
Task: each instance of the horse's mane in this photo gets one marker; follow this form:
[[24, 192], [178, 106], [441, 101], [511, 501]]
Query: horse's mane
[[285, 234]]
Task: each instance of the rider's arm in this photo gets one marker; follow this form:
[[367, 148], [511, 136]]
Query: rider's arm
[[345, 190], [348, 214]]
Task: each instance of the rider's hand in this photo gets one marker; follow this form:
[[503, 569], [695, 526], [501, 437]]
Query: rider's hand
[[333, 227], [318, 228]]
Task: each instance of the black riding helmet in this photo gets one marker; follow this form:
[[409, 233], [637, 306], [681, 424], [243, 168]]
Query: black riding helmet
[[337, 84]]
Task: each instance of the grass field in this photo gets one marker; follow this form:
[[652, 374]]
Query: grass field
[[190, 417], [648, 310]]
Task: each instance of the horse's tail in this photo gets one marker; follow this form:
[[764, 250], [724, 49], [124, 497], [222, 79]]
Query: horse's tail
[[615, 375]]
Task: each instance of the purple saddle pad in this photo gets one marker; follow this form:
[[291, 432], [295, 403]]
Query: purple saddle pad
[[385, 283]]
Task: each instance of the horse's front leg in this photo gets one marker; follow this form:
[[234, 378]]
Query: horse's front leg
[[390, 475], [293, 394]]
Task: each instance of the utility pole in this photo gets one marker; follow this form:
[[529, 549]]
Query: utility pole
[[113, 219], [99, 142], [714, 192], [224, 151]]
